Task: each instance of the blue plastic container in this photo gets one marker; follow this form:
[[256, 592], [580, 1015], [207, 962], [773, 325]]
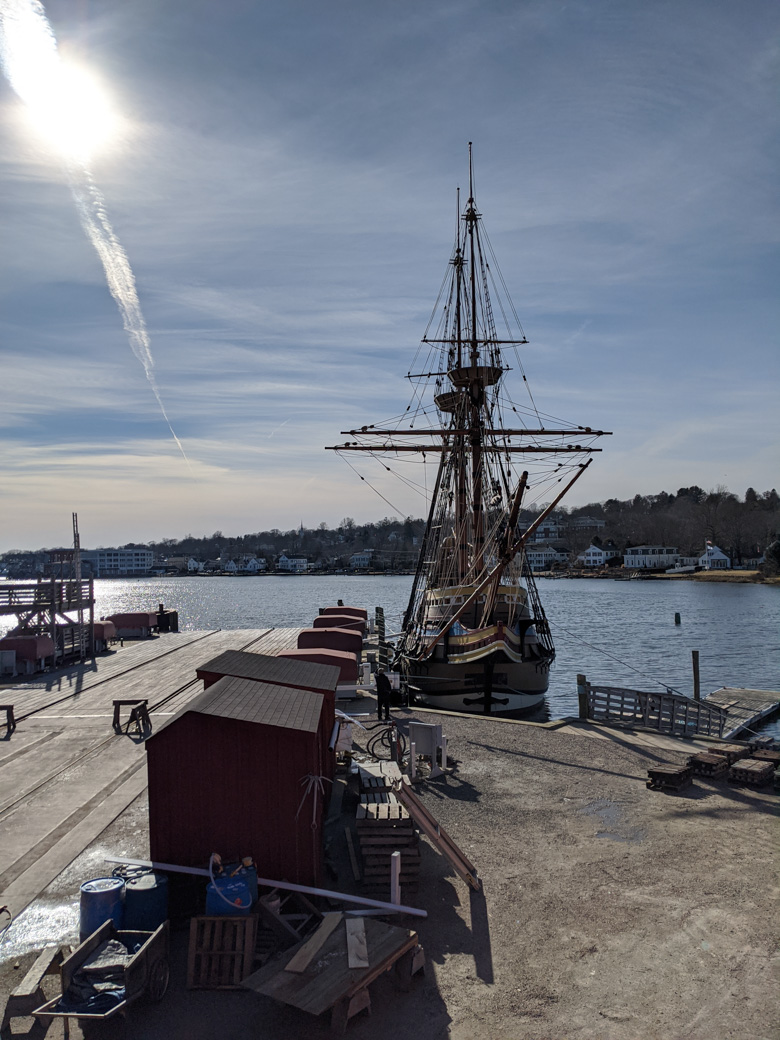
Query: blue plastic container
[[237, 897], [146, 902], [249, 874], [101, 899]]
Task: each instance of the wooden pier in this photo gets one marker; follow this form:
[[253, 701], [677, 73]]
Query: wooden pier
[[66, 772], [744, 708]]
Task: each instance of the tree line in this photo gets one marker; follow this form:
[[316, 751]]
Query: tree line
[[742, 528]]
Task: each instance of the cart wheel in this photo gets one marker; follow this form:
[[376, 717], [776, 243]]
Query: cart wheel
[[157, 982]]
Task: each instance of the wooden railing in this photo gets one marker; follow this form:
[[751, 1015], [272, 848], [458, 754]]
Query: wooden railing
[[665, 712], [57, 595]]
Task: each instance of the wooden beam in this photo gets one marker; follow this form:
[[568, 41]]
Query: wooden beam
[[357, 949], [303, 958]]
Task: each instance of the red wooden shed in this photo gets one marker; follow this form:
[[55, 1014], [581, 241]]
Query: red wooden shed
[[302, 675], [331, 639], [347, 662], [339, 621], [230, 773], [358, 612]]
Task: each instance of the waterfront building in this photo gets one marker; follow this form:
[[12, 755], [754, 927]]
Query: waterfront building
[[108, 563], [650, 557]]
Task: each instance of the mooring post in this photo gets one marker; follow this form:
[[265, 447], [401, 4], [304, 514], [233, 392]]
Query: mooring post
[[696, 685], [582, 695]]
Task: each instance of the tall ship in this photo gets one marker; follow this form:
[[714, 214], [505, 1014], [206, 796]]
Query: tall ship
[[474, 636]]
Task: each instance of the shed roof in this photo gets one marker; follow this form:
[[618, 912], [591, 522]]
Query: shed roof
[[283, 671], [261, 703]]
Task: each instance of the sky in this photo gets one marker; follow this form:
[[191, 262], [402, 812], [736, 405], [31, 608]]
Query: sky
[[281, 181]]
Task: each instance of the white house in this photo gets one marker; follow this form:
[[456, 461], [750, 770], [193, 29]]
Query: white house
[[229, 566], [361, 560], [542, 558], [292, 564], [253, 565], [650, 557], [597, 555], [714, 559]]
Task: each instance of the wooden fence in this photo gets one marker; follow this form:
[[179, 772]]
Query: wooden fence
[[665, 712]]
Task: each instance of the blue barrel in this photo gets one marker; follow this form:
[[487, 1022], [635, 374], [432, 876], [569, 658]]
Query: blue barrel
[[235, 897], [146, 902], [102, 899]]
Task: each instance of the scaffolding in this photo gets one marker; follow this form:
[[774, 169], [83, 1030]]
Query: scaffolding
[[46, 607]]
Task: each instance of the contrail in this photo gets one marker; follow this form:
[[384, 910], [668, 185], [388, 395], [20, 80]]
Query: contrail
[[31, 63]]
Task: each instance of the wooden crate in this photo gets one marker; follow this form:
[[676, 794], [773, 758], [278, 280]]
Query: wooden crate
[[672, 778], [221, 951], [751, 771], [713, 766]]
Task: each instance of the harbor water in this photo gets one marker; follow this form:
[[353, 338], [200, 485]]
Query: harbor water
[[618, 633]]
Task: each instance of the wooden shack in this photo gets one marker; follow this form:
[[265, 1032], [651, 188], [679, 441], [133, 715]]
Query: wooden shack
[[239, 771], [280, 671], [347, 662], [331, 639]]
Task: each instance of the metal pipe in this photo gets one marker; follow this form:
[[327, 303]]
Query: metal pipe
[[284, 885]]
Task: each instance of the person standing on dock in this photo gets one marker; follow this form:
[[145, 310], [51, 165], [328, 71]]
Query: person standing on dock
[[383, 690]]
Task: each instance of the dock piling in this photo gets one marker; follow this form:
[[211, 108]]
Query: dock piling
[[696, 683]]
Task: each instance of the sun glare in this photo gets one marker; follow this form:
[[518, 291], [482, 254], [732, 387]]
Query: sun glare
[[70, 109]]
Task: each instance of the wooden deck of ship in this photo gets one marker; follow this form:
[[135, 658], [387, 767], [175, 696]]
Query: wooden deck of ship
[[65, 774], [746, 708]]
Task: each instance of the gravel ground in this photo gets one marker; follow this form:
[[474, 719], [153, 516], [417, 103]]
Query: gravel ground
[[608, 911]]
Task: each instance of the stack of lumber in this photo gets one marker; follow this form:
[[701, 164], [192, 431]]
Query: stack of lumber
[[731, 752], [767, 755], [385, 827], [751, 771], [713, 766], [672, 778]]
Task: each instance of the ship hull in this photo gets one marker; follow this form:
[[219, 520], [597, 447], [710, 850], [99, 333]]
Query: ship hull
[[457, 682]]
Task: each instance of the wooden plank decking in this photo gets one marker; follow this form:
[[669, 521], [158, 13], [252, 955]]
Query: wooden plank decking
[[745, 708], [65, 773]]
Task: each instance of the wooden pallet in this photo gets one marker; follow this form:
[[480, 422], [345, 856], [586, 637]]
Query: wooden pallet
[[388, 813], [378, 797], [752, 771], [221, 952], [712, 766], [672, 778]]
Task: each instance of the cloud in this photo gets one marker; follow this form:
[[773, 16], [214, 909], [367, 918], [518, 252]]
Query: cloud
[[285, 191]]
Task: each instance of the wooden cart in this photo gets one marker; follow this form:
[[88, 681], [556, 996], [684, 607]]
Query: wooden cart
[[145, 974]]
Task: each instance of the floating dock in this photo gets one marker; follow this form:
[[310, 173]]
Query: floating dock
[[745, 708]]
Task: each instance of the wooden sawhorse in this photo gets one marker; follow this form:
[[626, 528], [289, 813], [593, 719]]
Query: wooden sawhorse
[[138, 715]]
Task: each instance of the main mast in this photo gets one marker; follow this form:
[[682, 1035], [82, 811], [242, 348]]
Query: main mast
[[477, 388], [472, 548]]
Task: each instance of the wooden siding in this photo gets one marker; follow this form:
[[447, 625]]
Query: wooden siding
[[227, 785]]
